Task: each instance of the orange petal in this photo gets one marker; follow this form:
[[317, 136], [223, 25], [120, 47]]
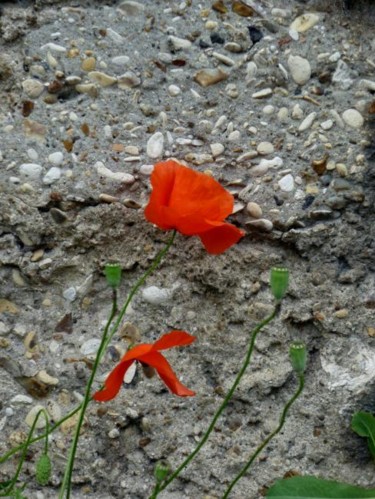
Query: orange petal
[[113, 383], [160, 363], [186, 200], [137, 352], [219, 239], [173, 339]]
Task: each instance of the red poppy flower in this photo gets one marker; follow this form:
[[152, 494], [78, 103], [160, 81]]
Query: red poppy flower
[[148, 354], [192, 203]]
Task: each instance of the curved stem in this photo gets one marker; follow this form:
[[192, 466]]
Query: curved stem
[[23, 457], [107, 337], [301, 383], [137, 285], [223, 405]]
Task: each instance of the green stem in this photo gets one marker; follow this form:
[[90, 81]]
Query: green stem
[[66, 485], [25, 449], [229, 395], [107, 337], [49, 430], [301, 383], [137, 285]]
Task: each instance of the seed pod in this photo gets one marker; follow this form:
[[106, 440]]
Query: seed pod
[[279, 282], [43, 469], [112, 272], [298, 356]]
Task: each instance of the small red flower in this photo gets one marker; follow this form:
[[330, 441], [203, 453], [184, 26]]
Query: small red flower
[[148, 354], [192, 203]]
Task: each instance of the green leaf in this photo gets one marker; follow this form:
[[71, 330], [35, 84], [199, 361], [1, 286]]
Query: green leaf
[[5, 485], [363, 423], [309, 487]]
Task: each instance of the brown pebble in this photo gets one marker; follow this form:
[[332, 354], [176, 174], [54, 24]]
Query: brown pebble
[[107, 198], [219, 7], [242, 9], [207, 77], [342, 313]]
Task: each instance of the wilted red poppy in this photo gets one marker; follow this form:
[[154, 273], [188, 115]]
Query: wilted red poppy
[[192, 203], [149, 355]]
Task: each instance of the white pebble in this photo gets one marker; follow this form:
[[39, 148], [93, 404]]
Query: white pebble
[[216, 149], [33, 155], [268, 110], [353, 118], [156, 296], [31, 170], [32, 88], [70, 294], [21, 399], [114, 36], [155, 145], [54, 47], [30, 418], [307, 122], [262, 94], [297, 112], [276, 162], [283, 114], [174, 90], [179, 43], [120, 60], [326, 125], [52, 175], [300, 69], [265, 148], [234, 136], [286, 183], [125, 178], [146, 169], [90, 346], [56, 158]]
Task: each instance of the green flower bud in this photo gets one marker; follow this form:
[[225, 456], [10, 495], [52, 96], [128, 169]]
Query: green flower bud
[[279, 282], [298, 356], [43, 469], [162, 470], [112, 272]]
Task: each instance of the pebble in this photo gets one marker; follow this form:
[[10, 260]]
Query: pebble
[[70, 294], [128, 80], [232, 90], [179, 43], [114, 36], [251, 70], [342, 75], [87, 88], [90, 346], [56, 158], [297, 112], [102, 170], [265, 148], [155, 145], [131, 8], [246, 156], [46, 378], [300, 69], [286, 183], [174, 90], [216, 149], [30, 418], [208, 76], [342, 169], [233, 47], [234, 136], [146, 169], [54, 47], [307, 122], [283, 114], [120, 60], [21, 399], [353, 118], [156, 296], [88, 64], [31, 170], [268, 110], [262, 94], [32, 88], [52, 175], [102, 79], [303, 23], [262, 225], [223, 58], [327, 125], [254, 210]]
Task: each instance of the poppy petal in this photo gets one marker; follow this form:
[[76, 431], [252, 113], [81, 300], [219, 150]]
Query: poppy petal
[[185, 199], [220, 238], [165, 371], [113, 383], [173, 339], [137, 352]]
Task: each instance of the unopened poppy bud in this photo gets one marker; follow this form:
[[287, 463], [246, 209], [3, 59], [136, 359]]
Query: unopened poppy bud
[[279, 282], [43, 469], [298, 356], [162, 470], [112, 272]]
